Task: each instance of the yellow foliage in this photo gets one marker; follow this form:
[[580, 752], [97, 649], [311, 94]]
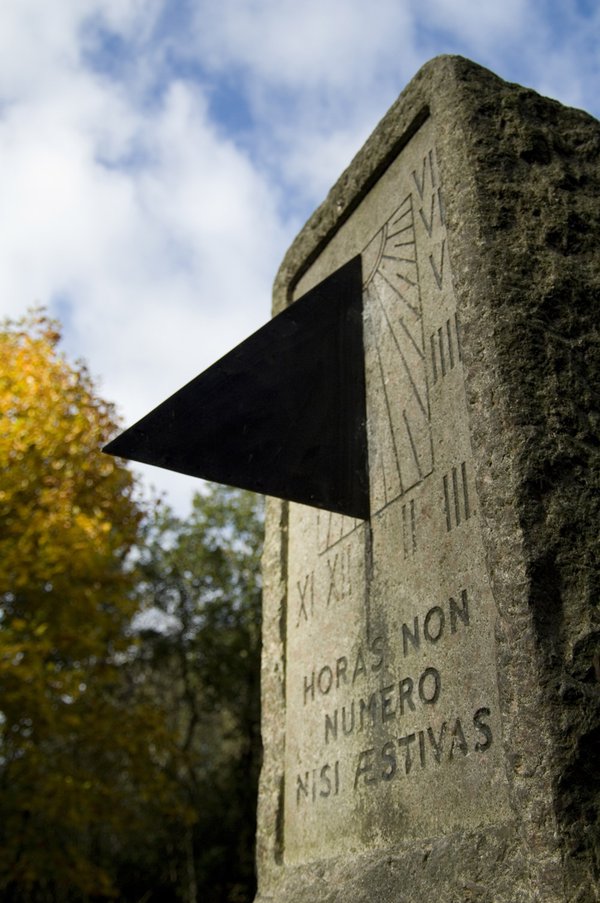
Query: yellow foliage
[[76, 741], [66, 510]]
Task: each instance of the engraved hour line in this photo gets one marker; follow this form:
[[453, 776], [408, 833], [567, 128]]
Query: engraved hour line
[[456, 494], [400, 231], [401, 321], [405, 203], [415, 311], [398, 259], [412, 445], [406, 367], [410, 336], [405, 278], [391, 425], [420, 302]]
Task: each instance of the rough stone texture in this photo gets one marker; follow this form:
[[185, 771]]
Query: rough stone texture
[[521, 180]]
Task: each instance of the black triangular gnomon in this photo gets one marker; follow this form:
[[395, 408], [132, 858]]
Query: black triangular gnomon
[[283, 414]]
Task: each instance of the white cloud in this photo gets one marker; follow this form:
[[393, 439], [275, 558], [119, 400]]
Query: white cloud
[[35, 43], [479, 24], [130, 208], [165, 263], [312, 44]]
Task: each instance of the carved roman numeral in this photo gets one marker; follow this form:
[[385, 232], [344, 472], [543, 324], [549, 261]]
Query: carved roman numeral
[[457, 504], [437, 265], [338, 570], [306, 592], [409, 528], [445, 349]]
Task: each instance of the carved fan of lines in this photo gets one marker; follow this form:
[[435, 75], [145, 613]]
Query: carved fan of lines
[[400, 449], [400, 446]]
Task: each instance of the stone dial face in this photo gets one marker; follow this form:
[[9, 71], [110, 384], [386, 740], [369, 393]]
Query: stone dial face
[[395, 344], [391, 688]]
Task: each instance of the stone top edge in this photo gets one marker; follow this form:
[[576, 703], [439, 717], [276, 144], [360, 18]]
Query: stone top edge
[[437, 88]]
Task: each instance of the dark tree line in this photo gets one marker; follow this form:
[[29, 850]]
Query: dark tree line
[[201, 580]]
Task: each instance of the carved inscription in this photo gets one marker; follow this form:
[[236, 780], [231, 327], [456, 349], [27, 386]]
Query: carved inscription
[[392, 716], [431, 213], [331, 528], [399, 755], [409, 528], [305, 598], [445, 349], [366, 711], [398, 404], [457, 506], [385, 713], [338, 568]]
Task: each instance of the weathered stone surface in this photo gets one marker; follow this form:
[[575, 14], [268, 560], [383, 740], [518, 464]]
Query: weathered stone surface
[[430, 679]]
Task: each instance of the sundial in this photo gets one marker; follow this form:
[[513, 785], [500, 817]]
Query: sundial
[[421, 613], [283, 414], [350, 405], [391, 717]]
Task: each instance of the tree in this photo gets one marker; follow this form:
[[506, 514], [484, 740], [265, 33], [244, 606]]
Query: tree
[[201, 581], [84, 754], [129, 659]]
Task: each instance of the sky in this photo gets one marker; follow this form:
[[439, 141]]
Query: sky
[[157, 157]]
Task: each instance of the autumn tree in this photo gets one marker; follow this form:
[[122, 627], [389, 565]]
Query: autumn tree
[[84, 754]]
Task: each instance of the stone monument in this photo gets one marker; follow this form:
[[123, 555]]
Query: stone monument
[[430, 675]]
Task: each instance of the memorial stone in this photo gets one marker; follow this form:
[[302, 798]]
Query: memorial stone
[[430, 675]]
